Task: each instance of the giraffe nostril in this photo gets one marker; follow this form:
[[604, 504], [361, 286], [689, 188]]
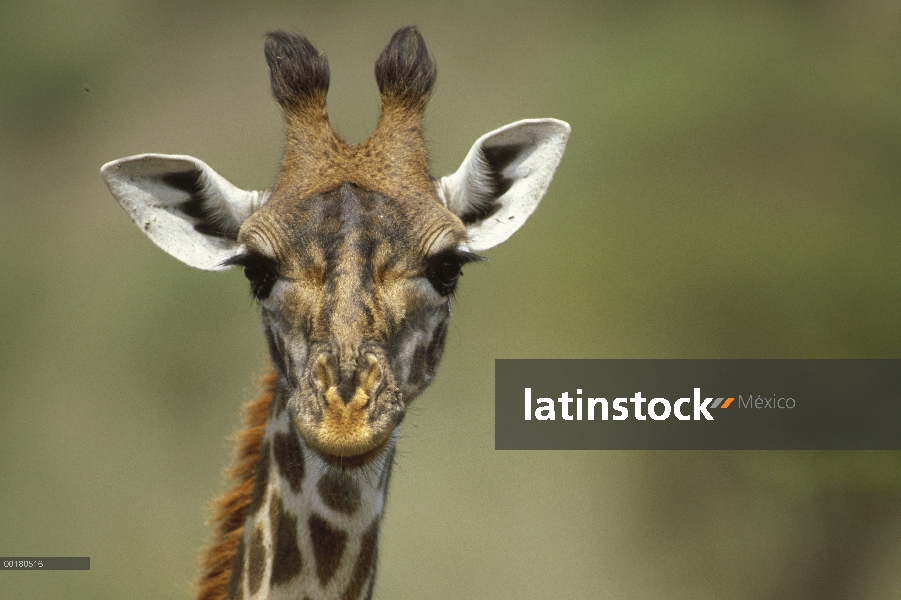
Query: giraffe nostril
[[322, 373], [369, 372]]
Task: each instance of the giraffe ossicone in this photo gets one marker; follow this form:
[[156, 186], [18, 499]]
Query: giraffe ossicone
[[352, 256]]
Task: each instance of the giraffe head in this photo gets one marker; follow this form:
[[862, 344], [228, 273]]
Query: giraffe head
[[354, 253]]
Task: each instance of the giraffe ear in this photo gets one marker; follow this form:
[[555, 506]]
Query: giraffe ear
[[183, 205], [503, 178]]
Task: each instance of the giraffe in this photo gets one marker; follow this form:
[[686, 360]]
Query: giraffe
[[352, 256]]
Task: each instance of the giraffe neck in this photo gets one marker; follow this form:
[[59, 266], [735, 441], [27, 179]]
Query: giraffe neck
[[312, 527]]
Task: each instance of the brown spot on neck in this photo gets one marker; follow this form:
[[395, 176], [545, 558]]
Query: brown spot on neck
[[289, 457], [256, 561], [286, 561], [339, 491], [328, 547]]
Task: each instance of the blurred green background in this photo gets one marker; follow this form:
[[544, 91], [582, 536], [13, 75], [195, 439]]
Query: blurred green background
[[731, 189]]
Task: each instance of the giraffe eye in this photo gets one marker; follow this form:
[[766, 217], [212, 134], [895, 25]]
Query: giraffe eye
[[256, 273], [261, 277], [444, 270], [447, 272], [259, 271]]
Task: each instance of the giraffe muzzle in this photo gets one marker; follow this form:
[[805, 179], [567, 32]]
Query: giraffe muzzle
[[351, 406]]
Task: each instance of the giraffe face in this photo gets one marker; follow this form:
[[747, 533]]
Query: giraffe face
[[355, 251], [355, 292]]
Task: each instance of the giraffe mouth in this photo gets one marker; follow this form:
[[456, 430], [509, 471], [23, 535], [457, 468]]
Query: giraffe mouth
[[344, 440], [353, 462], [348, 423]]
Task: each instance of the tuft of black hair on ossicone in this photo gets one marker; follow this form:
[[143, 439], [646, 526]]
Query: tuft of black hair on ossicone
[[297, 70], [404, 71]]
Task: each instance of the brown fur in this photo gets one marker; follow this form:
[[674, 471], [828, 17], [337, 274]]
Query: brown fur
[[392, 161], [230, 510]]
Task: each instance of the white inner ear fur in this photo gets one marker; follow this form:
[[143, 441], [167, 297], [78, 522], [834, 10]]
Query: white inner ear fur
[[183, 205], [531, 150]]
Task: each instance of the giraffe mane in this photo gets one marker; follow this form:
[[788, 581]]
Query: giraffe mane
[[230, 509]]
